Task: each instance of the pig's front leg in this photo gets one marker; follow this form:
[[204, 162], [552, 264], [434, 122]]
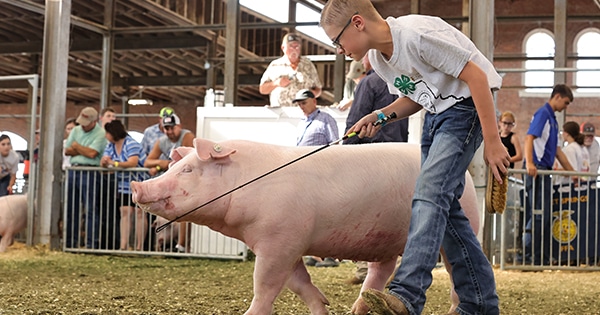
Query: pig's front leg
[[300, 284], [271, 272], [377, 276]]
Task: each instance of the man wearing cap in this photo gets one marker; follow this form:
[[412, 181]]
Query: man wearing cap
[[289, 74], [85, 145], [152, 133], [174, 137], [317, 128], [356, 72], [589, 131]]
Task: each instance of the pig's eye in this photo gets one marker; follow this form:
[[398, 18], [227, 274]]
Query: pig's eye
[[186, 169]]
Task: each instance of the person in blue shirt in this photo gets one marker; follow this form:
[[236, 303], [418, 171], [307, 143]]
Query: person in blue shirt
[[541, 148], [122, 151], [317, 128]]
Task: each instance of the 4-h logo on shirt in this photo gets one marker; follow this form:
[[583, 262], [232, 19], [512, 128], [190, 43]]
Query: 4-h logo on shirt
[[405, 85]]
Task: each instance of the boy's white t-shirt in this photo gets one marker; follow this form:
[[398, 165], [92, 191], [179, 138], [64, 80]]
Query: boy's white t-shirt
[[429, 55]]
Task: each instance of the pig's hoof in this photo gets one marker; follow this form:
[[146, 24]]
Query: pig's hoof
[[383, 303]]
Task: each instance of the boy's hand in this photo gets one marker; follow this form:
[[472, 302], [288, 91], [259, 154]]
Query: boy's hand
[[364, 127], [497, 157]]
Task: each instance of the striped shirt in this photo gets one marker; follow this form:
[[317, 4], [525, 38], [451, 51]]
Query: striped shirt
[[130, 148]]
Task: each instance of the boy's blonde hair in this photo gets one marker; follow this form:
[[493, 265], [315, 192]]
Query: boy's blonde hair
[[337, 12]]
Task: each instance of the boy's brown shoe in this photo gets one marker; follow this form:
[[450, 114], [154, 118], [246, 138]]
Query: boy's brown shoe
[[382, 303]]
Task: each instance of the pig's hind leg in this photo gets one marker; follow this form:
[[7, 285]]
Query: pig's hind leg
[[5, 241], [377, 276], [301, 284]]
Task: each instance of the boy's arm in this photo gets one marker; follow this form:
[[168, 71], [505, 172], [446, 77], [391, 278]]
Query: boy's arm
[[403, 107], [494, 153], [531, 169]]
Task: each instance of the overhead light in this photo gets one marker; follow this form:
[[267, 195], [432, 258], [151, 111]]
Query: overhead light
[[139, 101]]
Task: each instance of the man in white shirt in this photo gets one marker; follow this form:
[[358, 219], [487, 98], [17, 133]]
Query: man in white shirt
[[589, 131]]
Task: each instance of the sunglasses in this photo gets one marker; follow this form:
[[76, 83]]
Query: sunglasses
[[508, 123], [336, 40]]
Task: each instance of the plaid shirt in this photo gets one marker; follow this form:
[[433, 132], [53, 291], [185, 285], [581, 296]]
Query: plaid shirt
[[317, 129]]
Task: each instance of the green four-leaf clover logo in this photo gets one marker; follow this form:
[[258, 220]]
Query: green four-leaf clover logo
[[405, 85]]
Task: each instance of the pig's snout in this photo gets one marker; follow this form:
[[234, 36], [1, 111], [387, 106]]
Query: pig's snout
[[136, 192]]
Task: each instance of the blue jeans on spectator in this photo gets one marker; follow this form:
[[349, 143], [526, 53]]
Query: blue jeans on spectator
[[448, 144], [539, 196], [83, 190]]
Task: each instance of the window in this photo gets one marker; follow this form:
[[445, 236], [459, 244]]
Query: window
[[539, 44], [586, 45]]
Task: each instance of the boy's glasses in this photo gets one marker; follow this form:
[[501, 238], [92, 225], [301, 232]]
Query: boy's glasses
[[336, 40], [508, 123]]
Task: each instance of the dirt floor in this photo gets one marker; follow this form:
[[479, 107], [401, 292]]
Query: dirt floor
[[39, 281]]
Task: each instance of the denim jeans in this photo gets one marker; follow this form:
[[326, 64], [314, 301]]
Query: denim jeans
[[83, 190], [449, 142], [539, 196]]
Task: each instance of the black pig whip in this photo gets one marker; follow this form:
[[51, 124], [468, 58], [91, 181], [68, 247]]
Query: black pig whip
[[380, 121]]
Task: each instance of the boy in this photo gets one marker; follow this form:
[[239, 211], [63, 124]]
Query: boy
[[541, 148], [430, 65]]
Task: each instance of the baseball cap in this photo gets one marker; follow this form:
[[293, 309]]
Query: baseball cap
[[170, 121], [87, 116], [302, 95], [588, 129], [291, 37], [356, 70], [166, 111]]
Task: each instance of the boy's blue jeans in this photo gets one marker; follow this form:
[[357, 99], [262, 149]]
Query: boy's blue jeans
[[449, 142]]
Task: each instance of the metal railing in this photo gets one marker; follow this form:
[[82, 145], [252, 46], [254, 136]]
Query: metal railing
[[549, 226], [99, 217]]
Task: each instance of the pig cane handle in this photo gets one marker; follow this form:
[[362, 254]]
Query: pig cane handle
[[350, 135]]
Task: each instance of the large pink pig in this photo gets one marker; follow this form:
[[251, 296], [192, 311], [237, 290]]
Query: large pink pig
[[346, 201], [13, 218]]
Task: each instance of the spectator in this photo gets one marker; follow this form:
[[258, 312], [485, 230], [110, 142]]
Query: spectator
[[590, 142], [69, 125], [318, 128], [576, 153], [540, 151], [152, 133], [509, 138], [372, 94], [355, 74], [107, 115], [174, 137], [85, 145], [122, 151], [287, 75], [431, 65], [9, 162]]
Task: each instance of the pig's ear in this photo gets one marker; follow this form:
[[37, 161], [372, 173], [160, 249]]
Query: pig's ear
[[207, 149], [178, 153]]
